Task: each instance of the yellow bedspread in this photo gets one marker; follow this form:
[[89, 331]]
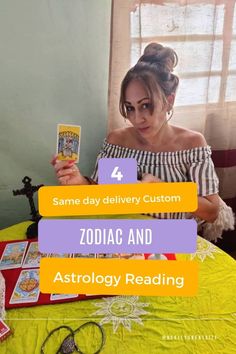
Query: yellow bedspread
[[202, 324]]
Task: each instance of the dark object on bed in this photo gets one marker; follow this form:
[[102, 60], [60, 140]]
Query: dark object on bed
[[69, 345], [32, 230], [29, 191]]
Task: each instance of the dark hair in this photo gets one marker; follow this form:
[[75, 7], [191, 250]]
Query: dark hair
[[154, 71]]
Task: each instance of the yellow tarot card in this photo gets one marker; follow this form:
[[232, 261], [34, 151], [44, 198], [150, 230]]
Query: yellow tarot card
[[68, 142]]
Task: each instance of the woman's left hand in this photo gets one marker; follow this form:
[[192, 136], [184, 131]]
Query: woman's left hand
[[149, 178]]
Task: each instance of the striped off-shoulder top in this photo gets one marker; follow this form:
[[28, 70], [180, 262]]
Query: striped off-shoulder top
[[189, 165]]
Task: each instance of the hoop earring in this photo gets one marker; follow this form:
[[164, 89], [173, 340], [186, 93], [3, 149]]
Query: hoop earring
[[170, 114]]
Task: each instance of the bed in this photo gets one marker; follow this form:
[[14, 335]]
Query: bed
[[205, 323]]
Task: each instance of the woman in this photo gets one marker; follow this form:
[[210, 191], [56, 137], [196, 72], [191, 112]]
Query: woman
[[164, 152]]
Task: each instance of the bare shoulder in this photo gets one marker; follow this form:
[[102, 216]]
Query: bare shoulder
[[195, 139], [118, 136], [189, 139]]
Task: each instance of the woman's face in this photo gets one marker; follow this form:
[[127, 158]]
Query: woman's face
[[138, 106]]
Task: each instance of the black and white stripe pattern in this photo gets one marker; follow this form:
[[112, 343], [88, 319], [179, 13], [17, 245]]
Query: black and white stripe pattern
[[193, 165]]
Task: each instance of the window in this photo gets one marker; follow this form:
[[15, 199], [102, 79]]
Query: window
[[201, 34]]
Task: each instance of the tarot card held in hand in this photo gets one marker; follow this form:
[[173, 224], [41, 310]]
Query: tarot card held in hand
[[68, 142], [27, 287], [13, 254], [32, 258]]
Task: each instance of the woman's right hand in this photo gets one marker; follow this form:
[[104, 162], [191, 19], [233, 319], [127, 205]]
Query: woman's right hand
[[67, 172]]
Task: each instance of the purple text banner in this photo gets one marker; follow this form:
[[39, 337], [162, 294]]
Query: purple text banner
[[117, 236]]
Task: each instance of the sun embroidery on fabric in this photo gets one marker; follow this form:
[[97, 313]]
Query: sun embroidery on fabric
[[205, 249], [121, 310]]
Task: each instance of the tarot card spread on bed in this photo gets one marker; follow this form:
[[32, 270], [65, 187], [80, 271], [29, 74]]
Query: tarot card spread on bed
[[27, 287], [4, 330], [32, 259], [13, 255], [54, 297], [68, 142]]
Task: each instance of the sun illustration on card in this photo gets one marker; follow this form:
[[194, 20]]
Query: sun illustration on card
[[205, 249], [121, 310]]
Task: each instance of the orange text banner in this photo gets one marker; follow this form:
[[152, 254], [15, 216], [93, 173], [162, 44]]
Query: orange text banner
[[118, 199], [118, 277]]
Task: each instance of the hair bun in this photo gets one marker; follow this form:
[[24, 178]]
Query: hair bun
[[164, 58], [153, 49]]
